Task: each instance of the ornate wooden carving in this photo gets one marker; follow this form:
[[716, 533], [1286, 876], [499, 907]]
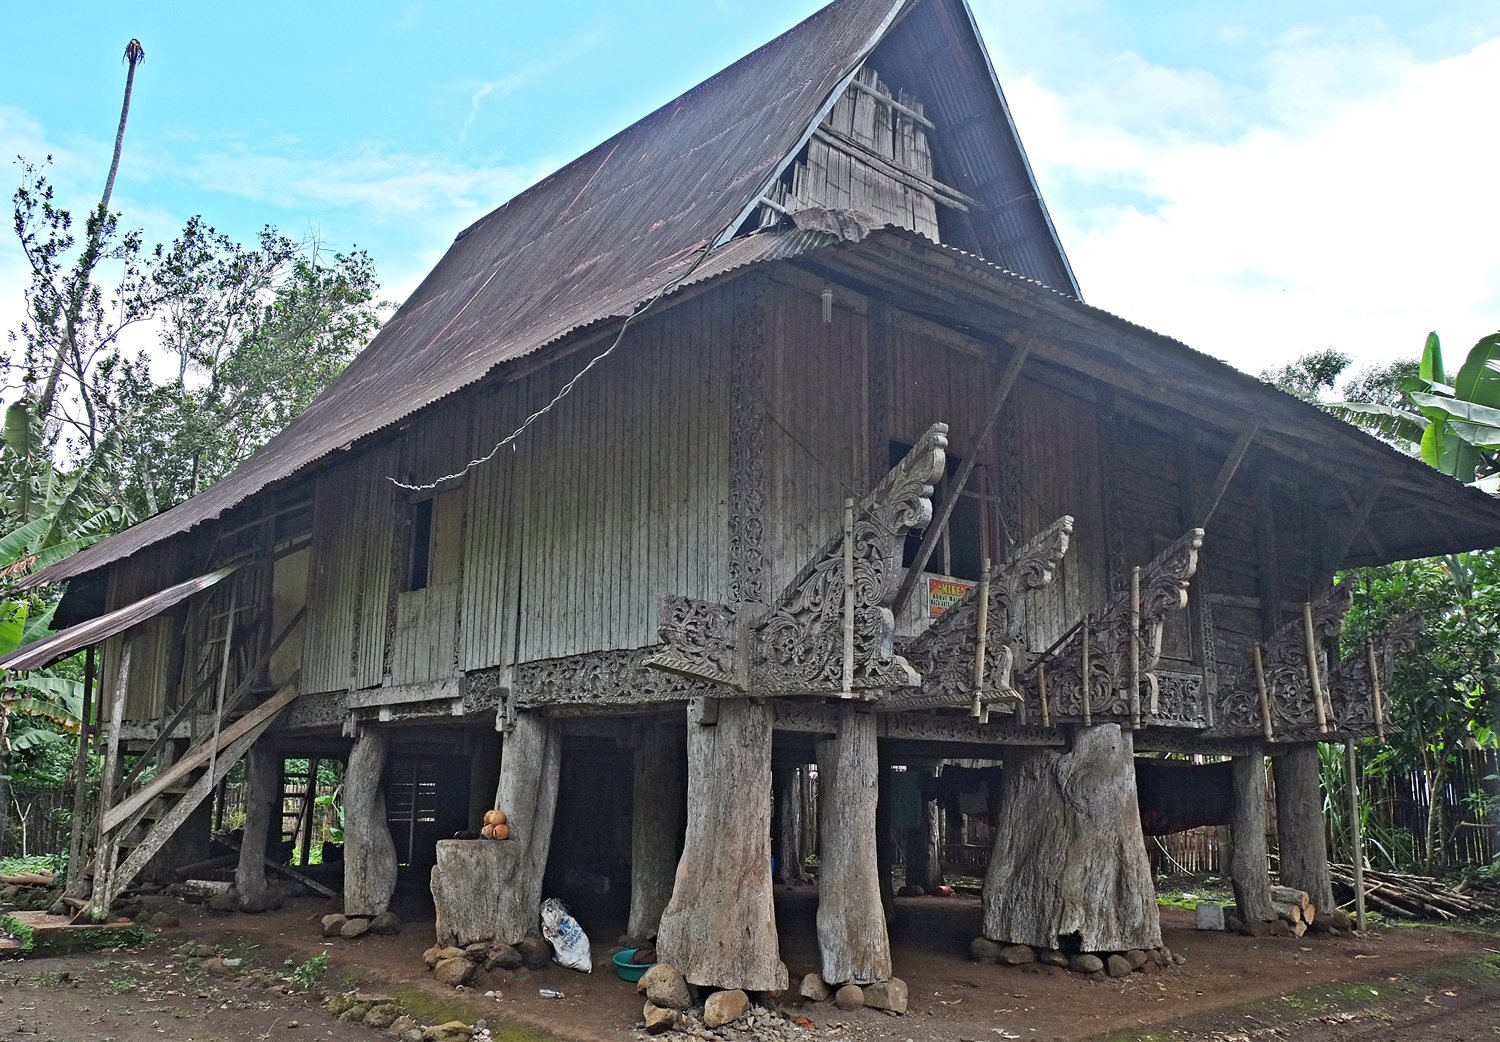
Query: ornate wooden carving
[[797, 648], [1180, 701], [1164, 585], [1284, 657], [1351, 694], [747, 454], [603, 678], [944, 652]]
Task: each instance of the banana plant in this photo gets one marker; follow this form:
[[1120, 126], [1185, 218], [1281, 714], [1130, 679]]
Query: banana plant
[[1455, 426]]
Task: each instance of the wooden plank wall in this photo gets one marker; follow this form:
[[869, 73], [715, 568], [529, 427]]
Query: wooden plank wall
[[151, 643], [817, 449]]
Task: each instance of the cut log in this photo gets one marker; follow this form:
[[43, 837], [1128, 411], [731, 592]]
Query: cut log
[[720, 927], [1069, 868], [851, 920], [369, 851], [1290, 895], [656, 825], [1247, 865], [1299, 823], [261, 789]]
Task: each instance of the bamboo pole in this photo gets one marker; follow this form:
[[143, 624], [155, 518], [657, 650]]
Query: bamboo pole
[[1265, 695], [1314, 675], [1375, 688], [213, 756], [1135, 652], [1088, 695], [1357, 846], [981, 638], [76, 861], [848, 675], [1041, 690]]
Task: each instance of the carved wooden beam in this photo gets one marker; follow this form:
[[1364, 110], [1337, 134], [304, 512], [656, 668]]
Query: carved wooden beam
[[944, 652], [1105, 651], [798, 647]]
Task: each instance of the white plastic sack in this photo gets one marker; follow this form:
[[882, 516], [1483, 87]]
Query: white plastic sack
[[570, 945]]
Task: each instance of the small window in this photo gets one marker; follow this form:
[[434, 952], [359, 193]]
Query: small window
[[959, 551], [421, 545]]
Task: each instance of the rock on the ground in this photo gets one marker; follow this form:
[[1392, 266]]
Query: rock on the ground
[[413, 1035], [1279, 928], [353, 928], [1016, 954], [355, 1014], [454, 972], [982, 949], [536, 953], [1161, 956], [386, 924], [665, 986], [453, 1031], [1053, 957], [887, 994], [1137, 958], [1209, 916], [332, 924], [401, 1025], [659, 1020], [1084, 962], [222, 902], [383, 1015], [1118, 966], [724, 1007], [850, 996], [814, 988], [502, 957]]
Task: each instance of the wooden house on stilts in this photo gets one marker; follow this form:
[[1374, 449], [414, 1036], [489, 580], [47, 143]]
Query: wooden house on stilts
[[772, 431]]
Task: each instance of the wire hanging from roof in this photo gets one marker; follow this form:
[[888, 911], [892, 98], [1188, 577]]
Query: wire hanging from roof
[[510, 438]]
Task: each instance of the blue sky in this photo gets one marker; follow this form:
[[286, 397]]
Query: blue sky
[[1260, 179]]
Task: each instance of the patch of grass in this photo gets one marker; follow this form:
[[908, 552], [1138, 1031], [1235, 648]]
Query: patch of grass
[[13, 927], [311, 971]]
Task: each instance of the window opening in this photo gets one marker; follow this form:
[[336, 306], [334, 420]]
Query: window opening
[[421, 545], [960, 550]]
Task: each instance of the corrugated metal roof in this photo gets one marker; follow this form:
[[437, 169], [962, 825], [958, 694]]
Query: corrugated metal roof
[[587, 244], [60, 645]]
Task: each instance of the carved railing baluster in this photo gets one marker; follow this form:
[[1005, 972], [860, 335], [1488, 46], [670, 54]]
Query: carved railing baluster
[[944, 652]]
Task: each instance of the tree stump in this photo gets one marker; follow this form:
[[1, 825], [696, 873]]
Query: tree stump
[[261, 791], [530, 761], [1299, 823], [369, 852], [720, 927], [1069, 868], [656, 827], [1247, 864], [851, 919]]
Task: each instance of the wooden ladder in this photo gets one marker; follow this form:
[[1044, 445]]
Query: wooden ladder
[[140, 824]]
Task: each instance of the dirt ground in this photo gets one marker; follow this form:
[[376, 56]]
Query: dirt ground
[[1393, 983]]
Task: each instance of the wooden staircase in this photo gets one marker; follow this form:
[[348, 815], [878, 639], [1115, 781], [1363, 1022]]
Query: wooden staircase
[[135, 827]]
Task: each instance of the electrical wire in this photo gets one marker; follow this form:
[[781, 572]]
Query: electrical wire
[[567, 388]]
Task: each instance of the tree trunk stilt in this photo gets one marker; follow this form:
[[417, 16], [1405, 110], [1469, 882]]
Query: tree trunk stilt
[[656, 826], [923, 868], [261, 791], [791, 860], [1070, 859], [1299, 824], [369, 851], [719, 929], [1247, 865], [529, 767], [851, 920]]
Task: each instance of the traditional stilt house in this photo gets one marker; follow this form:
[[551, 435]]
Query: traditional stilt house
[[774, 430]]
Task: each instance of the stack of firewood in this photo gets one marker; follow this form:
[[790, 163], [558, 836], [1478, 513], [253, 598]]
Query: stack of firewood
[[1295, 907], [1412, 896]]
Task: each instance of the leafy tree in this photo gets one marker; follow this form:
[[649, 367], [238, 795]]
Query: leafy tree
[[1309, 376]]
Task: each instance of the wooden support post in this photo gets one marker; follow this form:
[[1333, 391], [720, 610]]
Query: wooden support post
[[1314, 674], [789, 864], [309, 808], [369, 851], [719, 929], [1248, 873], [848, 668], [97, 910], [1086, 680], [924, 867], [1265, 695], [77, 879], [530, 766], [262, 789], [658, 818], [851, 921], [1299, 823], [885, 838], [979, 711], [1356, 839], [1070, 860]]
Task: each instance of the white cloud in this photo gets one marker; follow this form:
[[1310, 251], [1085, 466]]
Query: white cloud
[[1351, 203]]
